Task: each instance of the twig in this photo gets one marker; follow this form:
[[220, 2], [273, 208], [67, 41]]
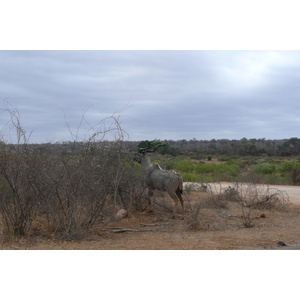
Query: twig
[[163, 206], [119, 230], [266, 199], [157, 224]]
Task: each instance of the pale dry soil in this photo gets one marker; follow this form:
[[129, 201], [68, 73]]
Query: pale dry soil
[[209, 230]]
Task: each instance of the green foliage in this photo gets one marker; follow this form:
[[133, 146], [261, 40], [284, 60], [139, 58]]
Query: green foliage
[[202, 171], [198, 156], [223, 158], [204, 168], [190, 177], [181, 165], [292, 169], [290, 147], [267, 170], [209, 179], [264, 168], [290, 166], [230, 168]]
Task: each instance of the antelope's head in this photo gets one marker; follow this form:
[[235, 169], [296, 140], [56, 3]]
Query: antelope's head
[[144, 159], [145, 150]]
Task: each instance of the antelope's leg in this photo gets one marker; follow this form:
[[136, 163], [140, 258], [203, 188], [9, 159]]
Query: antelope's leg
[[176, 200], [178, 193], [150, 199]]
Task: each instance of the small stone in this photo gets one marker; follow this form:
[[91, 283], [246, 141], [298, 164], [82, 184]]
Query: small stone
[[121, 214], [280, 243]]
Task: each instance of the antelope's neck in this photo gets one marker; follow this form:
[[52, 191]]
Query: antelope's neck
[[145, 163]]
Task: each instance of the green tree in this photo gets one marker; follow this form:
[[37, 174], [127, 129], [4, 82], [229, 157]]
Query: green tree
[[293, 170]]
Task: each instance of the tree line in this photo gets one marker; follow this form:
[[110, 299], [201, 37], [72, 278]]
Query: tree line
[[242, 147], [194, 147]]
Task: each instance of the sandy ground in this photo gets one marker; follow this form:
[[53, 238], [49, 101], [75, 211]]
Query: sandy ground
[[207, 230], [292, 191]]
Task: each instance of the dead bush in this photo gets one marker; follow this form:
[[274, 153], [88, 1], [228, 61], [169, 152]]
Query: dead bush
[[202, 218], [66, 191], [215, 198], [214, 202], [203, 214], [250, 196], [257, 196], [18, 205], [192, 221], [231, 194], [272, 199]]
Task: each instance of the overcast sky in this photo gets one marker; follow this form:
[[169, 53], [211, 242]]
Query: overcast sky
[[158, 94]]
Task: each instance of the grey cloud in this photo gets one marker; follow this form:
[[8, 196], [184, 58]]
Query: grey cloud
[[170, 94]]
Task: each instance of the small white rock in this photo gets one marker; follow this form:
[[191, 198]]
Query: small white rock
[[121, 214]]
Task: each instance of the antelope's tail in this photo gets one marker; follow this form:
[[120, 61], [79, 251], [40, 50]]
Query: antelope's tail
[[178, 193], [180, 187]]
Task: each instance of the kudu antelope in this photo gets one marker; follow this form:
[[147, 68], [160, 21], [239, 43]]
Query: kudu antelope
[[162, 180]]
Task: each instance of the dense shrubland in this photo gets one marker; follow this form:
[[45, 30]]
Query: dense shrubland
[[243, 147], [65, 192]]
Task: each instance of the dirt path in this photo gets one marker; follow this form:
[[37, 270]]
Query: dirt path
[[292, 191]]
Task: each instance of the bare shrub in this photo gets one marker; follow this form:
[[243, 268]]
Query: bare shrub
[[257, 196], [272, 199], [204, 214], [73, 194], [202, 218], [215, 202], [85, 186], [246, 197], [243, 195], [231, 194], [18, 204], [193, 222], [129, 186], [66, 192], [249, 196], [255, 178], [216, 197], [214, 188]]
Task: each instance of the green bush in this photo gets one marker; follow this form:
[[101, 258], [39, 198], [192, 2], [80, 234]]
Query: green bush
[[229, 168], [264, 169], [204, 168], [181, 165], [208, 179], [198, 156], [190, 177], [194, 172], [292, 170], [223, 158]]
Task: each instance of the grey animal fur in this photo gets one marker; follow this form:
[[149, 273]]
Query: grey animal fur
[[162, 180]]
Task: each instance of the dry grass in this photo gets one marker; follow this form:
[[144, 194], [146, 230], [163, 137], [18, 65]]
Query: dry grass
[[202, 228]]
